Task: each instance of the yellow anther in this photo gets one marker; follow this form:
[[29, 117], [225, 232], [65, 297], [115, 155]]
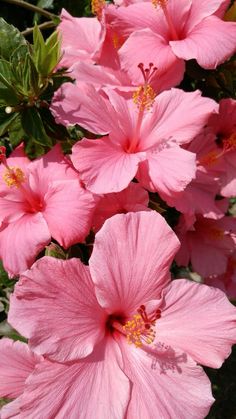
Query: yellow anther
[[13, 176], [137, 332], [161, 3], [230, 142], [144, 97], [97, 7], [116, 41]]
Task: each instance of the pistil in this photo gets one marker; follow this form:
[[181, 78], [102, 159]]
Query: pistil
[[143, 97], [139, 329], [169, 20]]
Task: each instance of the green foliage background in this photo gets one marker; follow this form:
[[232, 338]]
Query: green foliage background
[[28, 86]]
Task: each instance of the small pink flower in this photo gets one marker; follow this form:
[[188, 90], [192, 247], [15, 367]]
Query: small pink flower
[[222, 156], [227, 281], [120, 339], [206, 243], [199, 195], [32, 207]]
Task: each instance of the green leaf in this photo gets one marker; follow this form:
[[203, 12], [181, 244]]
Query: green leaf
[[6, 120], [11, 39], [30, 77], [33, 125], [24, 72], [8, 331], [39, 51], [5, 73], [8, 97], [16, 132], [8, 94], [46, 54]]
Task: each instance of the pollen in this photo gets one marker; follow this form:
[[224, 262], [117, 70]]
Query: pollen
[[139, 330], [229, 144], [144, 97], [97, 7], [161, 3], [13, 176], [116, 41]]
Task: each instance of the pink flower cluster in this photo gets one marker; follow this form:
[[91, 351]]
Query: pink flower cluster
[[119, 337]]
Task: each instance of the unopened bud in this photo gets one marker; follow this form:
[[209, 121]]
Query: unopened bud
[[9, 109]]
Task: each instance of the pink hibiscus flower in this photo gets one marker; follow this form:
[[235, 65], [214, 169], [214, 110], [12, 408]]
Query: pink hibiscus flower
[[206, 243], [227, 281], [120, 339], [132, 199], [174, 31], [87, 41], [17, 362], [199, 196], [144, 136], [222, 155], [32, 207]]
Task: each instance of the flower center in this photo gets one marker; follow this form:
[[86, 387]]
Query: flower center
[[168, 17], [15, 177], [229, 143], [139, 330], [226, 145]]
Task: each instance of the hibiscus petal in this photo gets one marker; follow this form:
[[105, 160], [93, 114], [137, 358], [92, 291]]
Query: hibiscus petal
[[11, 209], [132, 199], [77, 212], [177, 115], [198, 197], [165, 381], [200, 9], [11, 410], [16, 364], [75, 321], [94, 387], [84, 106], [152, 49], [81, 38], [211, 42], [198, 320], [21, 241], [130, 260], [104, 166], [170, 170], [207, 259]]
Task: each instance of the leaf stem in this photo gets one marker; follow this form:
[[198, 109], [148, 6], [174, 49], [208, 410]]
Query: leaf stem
[[45, 25], [32, 7]]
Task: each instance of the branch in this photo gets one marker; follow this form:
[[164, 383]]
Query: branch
[[32, 7], [45, 25]]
